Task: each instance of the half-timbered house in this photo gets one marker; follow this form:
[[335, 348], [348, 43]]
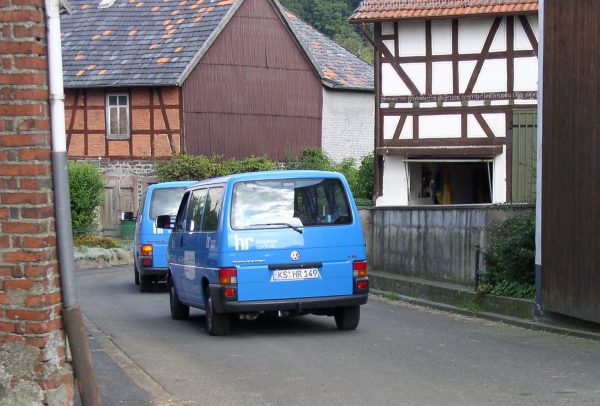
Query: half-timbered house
[[146, 79], [455, 90]]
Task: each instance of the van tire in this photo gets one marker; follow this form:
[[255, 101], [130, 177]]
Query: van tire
[[179, 311], [145, 284], [217, 324], [347, 318]]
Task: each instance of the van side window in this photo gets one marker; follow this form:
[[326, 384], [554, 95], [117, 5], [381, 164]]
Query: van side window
[[213, 208], [141, 207], [195, 210], [180, 220]]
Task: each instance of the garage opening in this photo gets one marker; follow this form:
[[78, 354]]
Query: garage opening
[[450, 181]]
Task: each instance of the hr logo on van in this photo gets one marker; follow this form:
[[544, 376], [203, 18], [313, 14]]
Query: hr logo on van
[[243, 244], [295, 255]]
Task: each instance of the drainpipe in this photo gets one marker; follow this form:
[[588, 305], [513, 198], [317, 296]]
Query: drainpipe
[[72, 316]]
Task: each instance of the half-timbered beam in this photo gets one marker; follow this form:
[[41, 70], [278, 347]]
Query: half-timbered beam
[[484, 54], [529, 32]]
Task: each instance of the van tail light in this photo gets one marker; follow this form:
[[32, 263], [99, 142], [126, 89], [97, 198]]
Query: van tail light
[[359, 269], [227, 276], [147, 250], [362, 284]]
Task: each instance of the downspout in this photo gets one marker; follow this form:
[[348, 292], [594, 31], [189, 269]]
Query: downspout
[[538, 173], [72, 316]]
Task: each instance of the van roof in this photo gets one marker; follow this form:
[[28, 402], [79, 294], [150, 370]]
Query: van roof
[[281, 174], [163, 185]]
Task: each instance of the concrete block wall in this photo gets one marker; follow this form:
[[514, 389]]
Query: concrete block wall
[[348, 124], [434, 243], [34, 369]]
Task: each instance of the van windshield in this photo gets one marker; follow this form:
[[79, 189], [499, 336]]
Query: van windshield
[[289, 203], [165, 201]]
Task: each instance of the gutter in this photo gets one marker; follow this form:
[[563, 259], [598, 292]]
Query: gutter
[[72, 316]]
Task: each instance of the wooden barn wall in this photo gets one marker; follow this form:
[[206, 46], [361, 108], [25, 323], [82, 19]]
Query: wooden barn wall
[[154, 117], [571, 155], [253, 93]]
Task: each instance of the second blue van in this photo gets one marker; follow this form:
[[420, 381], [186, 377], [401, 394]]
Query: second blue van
[[150, 242], [279, 242]]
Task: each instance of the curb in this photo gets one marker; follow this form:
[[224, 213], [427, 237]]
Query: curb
[[528, 324]]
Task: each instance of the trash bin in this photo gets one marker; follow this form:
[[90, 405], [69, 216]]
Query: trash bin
[[127, 229]]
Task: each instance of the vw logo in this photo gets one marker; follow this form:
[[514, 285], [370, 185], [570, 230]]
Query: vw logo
[[295, 255]]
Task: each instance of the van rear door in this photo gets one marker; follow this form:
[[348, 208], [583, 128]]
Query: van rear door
[[294, 238]]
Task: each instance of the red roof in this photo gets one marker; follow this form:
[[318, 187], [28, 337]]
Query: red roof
[[382, 10]]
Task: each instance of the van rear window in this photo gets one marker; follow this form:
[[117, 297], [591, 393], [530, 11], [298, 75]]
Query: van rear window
[[289, 203], [165, 201]]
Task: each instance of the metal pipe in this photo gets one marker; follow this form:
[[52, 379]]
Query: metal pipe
[[73, 319]]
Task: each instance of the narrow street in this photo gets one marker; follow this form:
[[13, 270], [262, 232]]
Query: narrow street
[[399, 355]]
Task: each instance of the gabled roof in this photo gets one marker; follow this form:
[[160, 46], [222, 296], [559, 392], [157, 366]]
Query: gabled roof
[[385, 10], [159, 42]]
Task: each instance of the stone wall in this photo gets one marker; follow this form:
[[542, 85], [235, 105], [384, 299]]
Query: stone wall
[[33, 363]]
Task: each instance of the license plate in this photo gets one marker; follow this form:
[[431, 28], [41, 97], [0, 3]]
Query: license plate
[[295, 274]]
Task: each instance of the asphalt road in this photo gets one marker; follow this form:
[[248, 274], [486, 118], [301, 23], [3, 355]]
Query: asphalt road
[[399, 355]]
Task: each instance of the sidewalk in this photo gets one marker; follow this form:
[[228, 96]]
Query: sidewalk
[[120, 380]]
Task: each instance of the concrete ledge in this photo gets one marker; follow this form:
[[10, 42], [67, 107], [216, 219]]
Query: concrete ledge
[[451, 294], [106, 260]]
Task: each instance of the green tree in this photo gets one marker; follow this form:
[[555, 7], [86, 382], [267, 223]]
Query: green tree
[[87, 194]]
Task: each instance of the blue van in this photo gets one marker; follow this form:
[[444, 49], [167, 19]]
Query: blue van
[[278, 242], [150, 242]]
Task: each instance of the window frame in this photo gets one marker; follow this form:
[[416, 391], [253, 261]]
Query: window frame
[[110, 135]]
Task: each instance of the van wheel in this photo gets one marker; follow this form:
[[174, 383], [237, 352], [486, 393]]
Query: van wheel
[[145, 283], [347, 318], [216, 324], [179, 311]]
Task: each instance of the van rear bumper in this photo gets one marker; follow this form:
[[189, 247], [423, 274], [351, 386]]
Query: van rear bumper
[[223, 305]]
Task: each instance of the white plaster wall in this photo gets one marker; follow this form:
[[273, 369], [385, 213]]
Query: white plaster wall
[[348, 124], [412, 38], [440, 126], [395, 182], [499, 195], [441, 37]]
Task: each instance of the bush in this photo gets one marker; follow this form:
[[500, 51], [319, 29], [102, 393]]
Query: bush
[[94, 241], [365, 178], [310, 158], [188, 167], [510, 258], [87, 194]]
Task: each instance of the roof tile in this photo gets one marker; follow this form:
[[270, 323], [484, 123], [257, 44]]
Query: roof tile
[[129, 46], [381, 10]]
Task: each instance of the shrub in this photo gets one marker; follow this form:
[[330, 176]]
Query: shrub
[[365, 178], [94, 241], [510, 258], [87, 194], [310, 158], [188, 167]]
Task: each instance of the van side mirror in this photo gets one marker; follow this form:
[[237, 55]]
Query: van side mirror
[[127, 215], [164, 221]]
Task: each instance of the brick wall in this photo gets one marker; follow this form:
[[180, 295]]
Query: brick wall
[[85, 119], [33, 362]]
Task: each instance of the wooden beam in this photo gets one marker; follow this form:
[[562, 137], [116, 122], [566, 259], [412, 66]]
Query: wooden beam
[[483, 55]]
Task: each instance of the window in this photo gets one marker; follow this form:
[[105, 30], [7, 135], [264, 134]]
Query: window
[[195, 210], [289, 202], [165, 201], [117, 115], [213, 208]]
